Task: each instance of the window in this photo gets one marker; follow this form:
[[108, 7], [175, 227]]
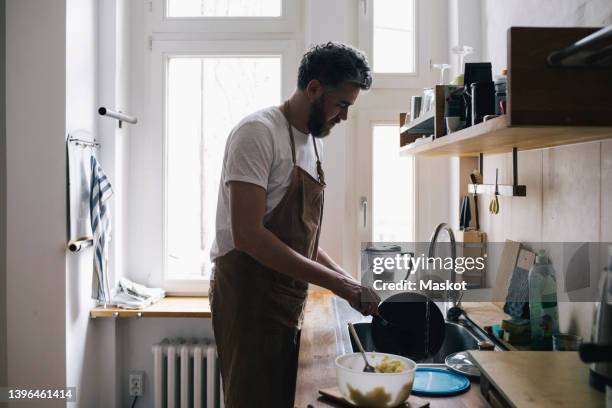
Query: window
[[392, 204], [397, 41], [393, 24], [203, 88], [224, 16], [224, 8], [209, 64], [206, 97]]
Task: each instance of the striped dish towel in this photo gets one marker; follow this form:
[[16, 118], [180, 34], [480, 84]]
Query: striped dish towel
[[100, 192]]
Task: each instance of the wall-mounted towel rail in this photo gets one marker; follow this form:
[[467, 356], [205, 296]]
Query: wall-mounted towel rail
[[82, 142], [120, 116], [75, 245]]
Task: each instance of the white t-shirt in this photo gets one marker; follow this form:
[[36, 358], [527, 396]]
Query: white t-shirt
[[258, 151]]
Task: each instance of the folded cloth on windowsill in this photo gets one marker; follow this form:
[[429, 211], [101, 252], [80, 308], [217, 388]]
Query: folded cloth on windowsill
[[131, 295]]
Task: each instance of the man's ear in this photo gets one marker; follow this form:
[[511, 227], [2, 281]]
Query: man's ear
[[314, 90]]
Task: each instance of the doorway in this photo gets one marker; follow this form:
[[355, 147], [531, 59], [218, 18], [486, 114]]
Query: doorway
[[385, 182]]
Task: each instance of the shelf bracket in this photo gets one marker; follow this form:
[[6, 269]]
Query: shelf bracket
[[514, 166], [510, 190]]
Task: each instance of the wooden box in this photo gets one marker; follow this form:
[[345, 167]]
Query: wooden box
[[539, 94]]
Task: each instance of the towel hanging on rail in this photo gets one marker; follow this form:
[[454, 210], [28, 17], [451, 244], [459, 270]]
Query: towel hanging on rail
[[100, 191]]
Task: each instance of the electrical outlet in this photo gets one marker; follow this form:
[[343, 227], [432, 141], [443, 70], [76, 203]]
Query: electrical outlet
[[136, 382]]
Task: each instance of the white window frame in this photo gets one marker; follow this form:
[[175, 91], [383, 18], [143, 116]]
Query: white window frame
[[161, 52], [422, 54], [286, 23]]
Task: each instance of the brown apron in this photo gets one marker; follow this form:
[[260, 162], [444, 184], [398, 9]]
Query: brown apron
[[257, 312]]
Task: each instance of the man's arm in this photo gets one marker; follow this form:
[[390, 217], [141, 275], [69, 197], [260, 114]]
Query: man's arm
[[247, 208], [324, 259]]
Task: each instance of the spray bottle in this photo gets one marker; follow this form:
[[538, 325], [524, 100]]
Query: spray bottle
[[543, 309]]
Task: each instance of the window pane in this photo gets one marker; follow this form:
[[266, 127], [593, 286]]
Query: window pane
[[394, 41], [207, 96], [392, 187], [224, 8]]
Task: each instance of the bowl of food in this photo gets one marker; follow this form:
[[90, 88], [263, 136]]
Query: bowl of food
[[388, 387]]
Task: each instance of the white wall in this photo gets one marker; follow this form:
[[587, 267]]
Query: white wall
[[3, 373], [569, 188], [82, 343], [464, 28], [36, 192]]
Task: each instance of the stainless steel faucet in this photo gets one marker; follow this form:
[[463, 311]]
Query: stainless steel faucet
[[455, 311]]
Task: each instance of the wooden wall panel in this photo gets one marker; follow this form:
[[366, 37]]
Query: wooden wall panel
[[571, 185]]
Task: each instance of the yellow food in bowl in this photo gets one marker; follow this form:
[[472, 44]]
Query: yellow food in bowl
[[390, 365], [388, 387]]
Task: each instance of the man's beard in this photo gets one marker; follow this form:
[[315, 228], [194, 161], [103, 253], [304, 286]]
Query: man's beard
[[316, 118]]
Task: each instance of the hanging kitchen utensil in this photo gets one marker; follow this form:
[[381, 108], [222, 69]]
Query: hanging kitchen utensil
[[496, 192], [410, 325], [494, 205], [474, 178], [466, 214]]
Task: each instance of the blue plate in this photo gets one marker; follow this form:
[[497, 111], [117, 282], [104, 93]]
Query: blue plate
[[438, 382]]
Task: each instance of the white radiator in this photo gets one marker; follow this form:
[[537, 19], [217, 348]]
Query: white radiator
[[186, 374]]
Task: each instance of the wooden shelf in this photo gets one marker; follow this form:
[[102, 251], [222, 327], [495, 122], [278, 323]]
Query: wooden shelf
[[173, 306], [495, 136]]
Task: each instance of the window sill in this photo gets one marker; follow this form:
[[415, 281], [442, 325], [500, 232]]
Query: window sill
[[171, 306]]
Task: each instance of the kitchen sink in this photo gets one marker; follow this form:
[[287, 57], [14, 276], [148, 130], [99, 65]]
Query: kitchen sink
[[458, 336]]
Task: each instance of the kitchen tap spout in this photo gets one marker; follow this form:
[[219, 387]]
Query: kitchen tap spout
[[431, 253]]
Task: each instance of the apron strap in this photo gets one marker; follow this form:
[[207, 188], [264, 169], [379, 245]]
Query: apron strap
[[320, 173], [287, 114]]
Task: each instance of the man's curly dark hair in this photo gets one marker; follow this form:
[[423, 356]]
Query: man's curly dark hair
[[334, 64]]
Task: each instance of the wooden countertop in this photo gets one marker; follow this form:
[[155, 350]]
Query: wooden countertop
[[317, 350], [319, 346], [171, 306], [539, 378]]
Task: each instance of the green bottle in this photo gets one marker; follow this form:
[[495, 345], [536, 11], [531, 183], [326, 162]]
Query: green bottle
[[543, 309]]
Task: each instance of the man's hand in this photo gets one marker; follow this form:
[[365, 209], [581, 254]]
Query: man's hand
[[361, 298]]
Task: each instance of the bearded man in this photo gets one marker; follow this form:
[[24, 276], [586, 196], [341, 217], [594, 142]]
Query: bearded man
[[268, 223]]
